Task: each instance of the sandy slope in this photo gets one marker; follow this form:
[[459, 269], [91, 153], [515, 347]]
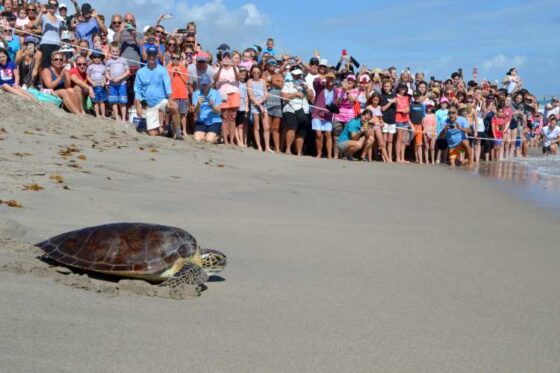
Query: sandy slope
[[334, 266]]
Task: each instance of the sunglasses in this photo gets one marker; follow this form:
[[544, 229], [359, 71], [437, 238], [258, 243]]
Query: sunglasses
[[57, 60], [452, 112], [189, 41], [171, 44], [81, 64], [31, 9], [175, 58], [129, 20], [117, 22]]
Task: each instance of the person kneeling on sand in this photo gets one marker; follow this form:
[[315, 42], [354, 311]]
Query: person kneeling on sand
[[454, 133], [207, 109], [551, 136], [356, 136], [152, 87]]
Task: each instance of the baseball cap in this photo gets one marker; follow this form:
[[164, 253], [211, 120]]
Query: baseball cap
[[443, 99], [62, 5], [202, 57], [30, 39], [96, 54], [323, 62], [67, 35], [86, 8], [365, 78], [272, 61], [314, 61], [224, 47], [351, 77], [429, 103], [416, 94], [152, 49], [205, 80], [297, 72]]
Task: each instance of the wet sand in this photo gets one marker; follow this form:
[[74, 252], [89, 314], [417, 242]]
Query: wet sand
[[333, 265]]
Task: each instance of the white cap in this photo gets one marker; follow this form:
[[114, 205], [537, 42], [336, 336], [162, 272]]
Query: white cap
[[67, 35], [146, 28], [323, 62], [297, 72], [62, 5]]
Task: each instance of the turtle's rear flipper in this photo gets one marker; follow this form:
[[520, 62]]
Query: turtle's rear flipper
[[189, 277]]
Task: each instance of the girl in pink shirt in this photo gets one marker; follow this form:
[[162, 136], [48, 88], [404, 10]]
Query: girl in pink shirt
[[429, 124], [402, 120]]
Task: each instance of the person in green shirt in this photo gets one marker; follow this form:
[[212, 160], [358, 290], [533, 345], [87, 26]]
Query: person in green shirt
[[356, 135]]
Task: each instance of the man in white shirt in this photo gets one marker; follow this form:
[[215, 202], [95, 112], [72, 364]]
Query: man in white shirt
[[551, 136]]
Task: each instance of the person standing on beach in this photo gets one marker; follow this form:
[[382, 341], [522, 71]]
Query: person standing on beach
[[402, 119], [388, 109], [117, 72], [152, 88], [441, 120]]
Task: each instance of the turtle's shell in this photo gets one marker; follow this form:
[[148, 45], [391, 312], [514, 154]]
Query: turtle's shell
[[134, 248]]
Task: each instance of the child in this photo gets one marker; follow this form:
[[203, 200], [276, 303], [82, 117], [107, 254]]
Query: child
[[96, 78], [441, 119], [270, 47], [116, 75], [417, 113], [374, 105], [429, 123], [179, 76], [258, 94], [241, 123], [499, 122], [402, 119]]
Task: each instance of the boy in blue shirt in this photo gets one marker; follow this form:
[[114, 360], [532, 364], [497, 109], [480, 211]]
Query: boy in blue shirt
[[455, 133]]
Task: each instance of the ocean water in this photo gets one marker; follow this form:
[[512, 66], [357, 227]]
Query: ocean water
[[534, 179]]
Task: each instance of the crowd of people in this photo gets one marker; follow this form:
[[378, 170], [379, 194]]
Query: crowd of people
[[170, 85]]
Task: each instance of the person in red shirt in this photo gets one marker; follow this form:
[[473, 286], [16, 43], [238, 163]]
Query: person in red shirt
[[180, 87], [402, 119], [78, 78]]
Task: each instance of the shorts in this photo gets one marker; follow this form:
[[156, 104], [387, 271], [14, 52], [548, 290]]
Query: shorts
[[481, 134], [498, 142], [211, 128], [342, 147], [231, 101], [418, 134], [292, 122], [240, 118], [257, 111], [118, 94], [274, 111], [152, 114], [454, 152], [441, 144], [321, 125], [402, 125], [183, 105], [390, 128], [337, 127], [100, 94]]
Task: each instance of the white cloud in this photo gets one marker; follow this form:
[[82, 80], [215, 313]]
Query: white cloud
[[216, 22], [501, 62]]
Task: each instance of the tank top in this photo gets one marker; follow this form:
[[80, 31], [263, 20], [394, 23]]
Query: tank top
[[274, 100], [54, 77], [51, 31], [258, 89], [227, 82], [26, 72]]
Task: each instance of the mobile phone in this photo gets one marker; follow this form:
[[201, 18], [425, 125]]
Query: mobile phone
[[432, 78], [475, 71], [460, 70], [182, 31], [344, 52]]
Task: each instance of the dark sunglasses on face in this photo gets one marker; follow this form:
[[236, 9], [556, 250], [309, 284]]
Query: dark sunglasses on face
[[452, 112], [57, 60], [81, 64], [175, 58], [171, 44], [117, 22]]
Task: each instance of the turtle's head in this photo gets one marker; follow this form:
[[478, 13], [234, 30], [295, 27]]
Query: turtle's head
[[213, 261]]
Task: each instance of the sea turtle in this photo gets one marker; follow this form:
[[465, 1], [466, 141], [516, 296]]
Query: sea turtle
[[151, 252]]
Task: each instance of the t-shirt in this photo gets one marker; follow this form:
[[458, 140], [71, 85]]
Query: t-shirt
[[75, 72], [86, 30], [129, 47], [403, 103], [206, 114], [117, 67], [550, 135], [96, 73], [417, 112], [194, 74], [7, 74], [179, 77], [297, 103], [152, 85], [309, 79], [389, 114], [355, 125], [227, 82], [13, 47], [454, 135], [51, 31]]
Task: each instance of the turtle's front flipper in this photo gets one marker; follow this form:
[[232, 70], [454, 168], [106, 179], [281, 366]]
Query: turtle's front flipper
[[188, 277]]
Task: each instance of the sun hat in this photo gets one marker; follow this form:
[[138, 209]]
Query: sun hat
[[205, 80], [62, 5], [323, 62]]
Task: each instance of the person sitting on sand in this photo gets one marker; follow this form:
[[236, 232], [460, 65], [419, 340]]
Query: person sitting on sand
[[208, 111], [356, 136], [551, 136], [152, 88], [56, 79], [9, 77]]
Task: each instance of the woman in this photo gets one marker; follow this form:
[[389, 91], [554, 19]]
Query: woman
[[9, 77], [48, 25], [28, 61], [275, 83], [227, 82], [57, 79], [258, 94], [345, 98], [322, 113], [364, 91], [517, 122], [171, 48], [512, 82], [207, 110], [479, 107]]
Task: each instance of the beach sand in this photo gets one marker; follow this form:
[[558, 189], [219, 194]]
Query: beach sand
[[333, 265]]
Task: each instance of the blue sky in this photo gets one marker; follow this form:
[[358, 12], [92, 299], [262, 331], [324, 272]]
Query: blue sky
[[434, 36]]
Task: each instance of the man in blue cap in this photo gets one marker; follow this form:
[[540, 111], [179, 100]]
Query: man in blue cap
[[152, 88]]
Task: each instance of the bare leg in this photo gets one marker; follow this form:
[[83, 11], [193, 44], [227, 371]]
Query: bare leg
[[319, 143], [266, 132], [389, 146], [399, 144], [256, 131], [329, 144], [275, 128], [290, 135]]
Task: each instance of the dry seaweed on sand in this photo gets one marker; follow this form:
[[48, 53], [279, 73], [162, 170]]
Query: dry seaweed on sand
[[66, 152], [57, 178], [82, 157], [12, 203], [33, 187]]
